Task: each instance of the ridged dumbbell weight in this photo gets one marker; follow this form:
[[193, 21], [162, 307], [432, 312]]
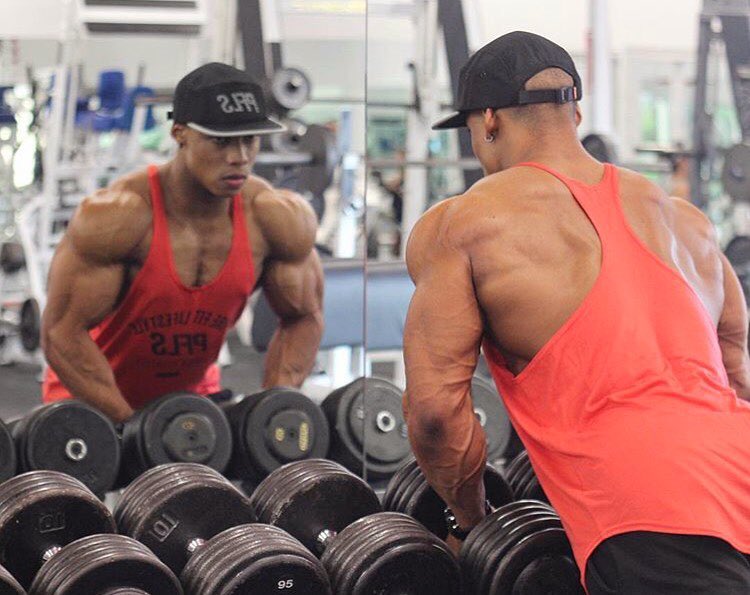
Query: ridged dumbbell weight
[[335, 513], [8, 457], [9, 585], [201, 526], [522, 479], [521, 548], [49, 520], [408, 492]]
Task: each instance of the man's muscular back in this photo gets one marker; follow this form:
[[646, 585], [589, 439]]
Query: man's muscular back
[[535, 256]]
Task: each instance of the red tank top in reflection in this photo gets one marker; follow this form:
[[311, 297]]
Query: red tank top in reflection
[[626, 412], [166, 336]]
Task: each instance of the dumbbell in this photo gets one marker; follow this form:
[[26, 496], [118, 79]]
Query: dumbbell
[[489, 409], [408, 492], [72, 438], [201, 526], [9, 585], [105, 565], [176, 428], [254, 558], [335, 513], [272, 428], [522, 479], [8, 461], [44, 516], [368, 427], [521, 548]]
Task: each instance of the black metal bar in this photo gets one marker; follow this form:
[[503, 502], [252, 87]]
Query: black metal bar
[[736, 34], [702, 121], [277, 56], [451, 18], [251, 33]]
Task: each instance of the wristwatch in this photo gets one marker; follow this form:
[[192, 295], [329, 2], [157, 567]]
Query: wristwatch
[[452, 524]]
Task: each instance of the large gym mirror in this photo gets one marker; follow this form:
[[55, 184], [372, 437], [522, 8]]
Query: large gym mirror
[[86, 91]]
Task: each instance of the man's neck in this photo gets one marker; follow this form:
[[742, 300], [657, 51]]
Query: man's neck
[[549, 149], [186, 198]]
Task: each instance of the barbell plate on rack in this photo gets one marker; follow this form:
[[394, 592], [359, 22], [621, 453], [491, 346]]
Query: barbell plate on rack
[[290, 88], [368, 426], [178, 427], [73, 438], [490, 411], [272, 428]]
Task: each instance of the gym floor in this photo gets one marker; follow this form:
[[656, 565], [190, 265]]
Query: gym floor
[[20, 386]]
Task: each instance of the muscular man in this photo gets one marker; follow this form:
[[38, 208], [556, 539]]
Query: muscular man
[[155, 269], [613, 326]]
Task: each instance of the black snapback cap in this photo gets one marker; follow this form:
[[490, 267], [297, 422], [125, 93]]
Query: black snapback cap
[[495, 76], [220, 100]]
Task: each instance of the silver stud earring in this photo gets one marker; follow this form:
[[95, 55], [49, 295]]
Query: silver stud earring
[[489, 138]]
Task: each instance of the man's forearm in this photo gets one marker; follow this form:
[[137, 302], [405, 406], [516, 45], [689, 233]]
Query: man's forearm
[[291, 353], [466, 500], [86, 373], [453, 459]]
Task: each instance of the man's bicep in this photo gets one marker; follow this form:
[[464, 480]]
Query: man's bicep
[[294, 288], [81, 291]]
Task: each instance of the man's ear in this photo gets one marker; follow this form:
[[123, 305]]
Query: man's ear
[[491, 122], [578, 114], [179, 133]]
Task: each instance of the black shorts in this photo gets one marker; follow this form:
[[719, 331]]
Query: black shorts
[[644, 563]]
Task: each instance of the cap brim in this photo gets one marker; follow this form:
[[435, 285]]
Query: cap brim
[[265, 126], [455, 120]]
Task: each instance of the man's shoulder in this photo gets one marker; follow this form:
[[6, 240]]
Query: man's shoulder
[[673, 207], [285, 219], [446, 224], [110, 223], [458, 215]]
